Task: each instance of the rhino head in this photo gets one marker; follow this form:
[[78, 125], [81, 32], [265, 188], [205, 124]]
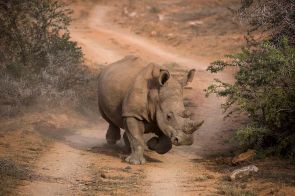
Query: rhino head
[[171, 116], [157, 97]]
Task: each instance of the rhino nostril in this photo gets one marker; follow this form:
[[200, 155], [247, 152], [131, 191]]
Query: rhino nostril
[[175, 141]]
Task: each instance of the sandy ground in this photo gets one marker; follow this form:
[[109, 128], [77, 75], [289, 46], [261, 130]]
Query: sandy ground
[[167, 174], [80, 162]]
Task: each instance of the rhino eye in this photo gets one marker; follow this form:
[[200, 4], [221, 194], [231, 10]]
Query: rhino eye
[[169, 116]]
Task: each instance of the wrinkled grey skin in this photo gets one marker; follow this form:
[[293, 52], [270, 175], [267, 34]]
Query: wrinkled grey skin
[[140, 99]]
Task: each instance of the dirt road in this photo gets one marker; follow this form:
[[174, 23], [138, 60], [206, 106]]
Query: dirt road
[[80, 162]]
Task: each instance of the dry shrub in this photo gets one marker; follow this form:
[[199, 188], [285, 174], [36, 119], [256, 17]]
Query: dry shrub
[[274, 17], [10, 174], [40, 63]]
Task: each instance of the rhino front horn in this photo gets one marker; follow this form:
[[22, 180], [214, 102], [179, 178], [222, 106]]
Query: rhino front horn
[[192, 127]]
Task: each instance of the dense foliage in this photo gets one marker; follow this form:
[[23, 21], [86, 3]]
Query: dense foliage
[[264, 88]]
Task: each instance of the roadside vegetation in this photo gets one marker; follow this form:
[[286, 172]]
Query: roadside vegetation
[[38, 61], [264, 86], [41, 69]]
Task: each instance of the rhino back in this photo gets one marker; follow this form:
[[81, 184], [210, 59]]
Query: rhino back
[[113, 84]]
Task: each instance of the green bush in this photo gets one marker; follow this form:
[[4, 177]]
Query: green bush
[[251, 136], [264, 88]]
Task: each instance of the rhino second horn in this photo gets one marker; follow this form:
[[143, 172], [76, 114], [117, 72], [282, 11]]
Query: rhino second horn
[[186, 114], [193, 127]]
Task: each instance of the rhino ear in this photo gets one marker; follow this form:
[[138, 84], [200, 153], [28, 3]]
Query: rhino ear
[[164, 77], [188, 77]]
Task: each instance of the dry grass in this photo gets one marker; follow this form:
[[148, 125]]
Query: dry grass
[[19, 149], [10, 175], [206, 28], [232, 190], [114, 181], [271, 179], [56, 86]]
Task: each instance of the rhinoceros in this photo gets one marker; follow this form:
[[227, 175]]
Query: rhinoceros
[[144, 98]]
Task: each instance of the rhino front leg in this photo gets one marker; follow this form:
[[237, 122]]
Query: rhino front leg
[[113, 134], [127, 143], [134, 131]]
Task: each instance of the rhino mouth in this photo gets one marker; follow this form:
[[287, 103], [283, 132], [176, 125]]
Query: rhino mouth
[[182, 140], [176, 141], [184, 136]]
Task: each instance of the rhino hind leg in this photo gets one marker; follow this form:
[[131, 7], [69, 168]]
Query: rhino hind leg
[[113, 134], [161, 144]]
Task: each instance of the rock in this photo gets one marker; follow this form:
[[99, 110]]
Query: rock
[[133, 14], [125, 11], [243, 172], [177, 43], [34, 149], [195, 23], [127, 168], [153, 33], [161, 17], [170, 35], [153, 9], [246, 156], [225, 178], [103, 175], [209, 176]]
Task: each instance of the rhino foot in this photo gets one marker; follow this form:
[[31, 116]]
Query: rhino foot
[[135, 160]]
